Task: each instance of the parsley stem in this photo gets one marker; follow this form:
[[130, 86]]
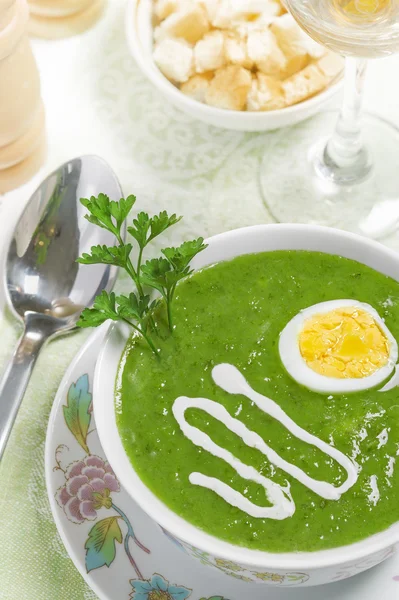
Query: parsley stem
[[168, 303], [135, 278], [139, 261], [145, 336], [119, 238], [130, 268], [138, 284]]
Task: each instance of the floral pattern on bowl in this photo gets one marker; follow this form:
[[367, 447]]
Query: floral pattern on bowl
[[90, 485], [239, 571]]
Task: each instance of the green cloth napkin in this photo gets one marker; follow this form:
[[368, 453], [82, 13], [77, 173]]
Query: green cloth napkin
[[33, 561]]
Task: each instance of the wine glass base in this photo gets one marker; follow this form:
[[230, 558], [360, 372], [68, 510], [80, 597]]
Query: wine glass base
[[295, 192]]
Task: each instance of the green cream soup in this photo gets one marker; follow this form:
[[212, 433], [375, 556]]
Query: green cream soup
[[234, 312]]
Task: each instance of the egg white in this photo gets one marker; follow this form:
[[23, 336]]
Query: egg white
[[298, 369]]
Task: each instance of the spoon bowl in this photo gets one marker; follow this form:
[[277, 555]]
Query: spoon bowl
[[45, 287]]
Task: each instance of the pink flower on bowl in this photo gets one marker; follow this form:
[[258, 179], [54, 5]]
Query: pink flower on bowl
[[88, 485]]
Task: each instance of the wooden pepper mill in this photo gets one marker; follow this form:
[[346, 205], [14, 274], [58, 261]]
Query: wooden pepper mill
[[22, 127], [62, 18]]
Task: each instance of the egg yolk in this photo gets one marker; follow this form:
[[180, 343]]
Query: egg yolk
[[344, 343]]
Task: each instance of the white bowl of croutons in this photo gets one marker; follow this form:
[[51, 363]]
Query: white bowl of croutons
[[237, 64]]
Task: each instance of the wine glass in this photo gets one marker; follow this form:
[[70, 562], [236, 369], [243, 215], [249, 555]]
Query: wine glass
[[346, 177]]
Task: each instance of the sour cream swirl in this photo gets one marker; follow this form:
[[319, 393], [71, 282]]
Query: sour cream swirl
[[282, 506]]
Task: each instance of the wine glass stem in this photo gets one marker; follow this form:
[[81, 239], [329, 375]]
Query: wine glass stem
[[345, 159]]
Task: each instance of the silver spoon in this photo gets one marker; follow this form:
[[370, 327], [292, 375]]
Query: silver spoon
[[45, 286]]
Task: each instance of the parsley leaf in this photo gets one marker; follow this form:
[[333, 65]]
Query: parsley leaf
[[181, 257], [104, 308], [115, 255], [139, 231], [161, 223], [154, 274], [122, 308], [99, 212], [120, 210], [107, 213], [133, 306], [145, 228]]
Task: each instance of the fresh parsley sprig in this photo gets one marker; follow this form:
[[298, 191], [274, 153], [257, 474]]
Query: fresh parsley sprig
[[161, 274]]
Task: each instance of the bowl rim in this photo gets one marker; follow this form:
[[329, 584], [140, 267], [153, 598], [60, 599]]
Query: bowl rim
[[105, 417], [161, 82]]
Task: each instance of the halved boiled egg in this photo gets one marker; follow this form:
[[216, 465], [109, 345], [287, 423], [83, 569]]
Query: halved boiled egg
[[338, 346]]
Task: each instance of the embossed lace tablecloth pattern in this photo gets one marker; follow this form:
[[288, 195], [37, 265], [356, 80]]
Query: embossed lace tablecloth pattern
[[97, 101]]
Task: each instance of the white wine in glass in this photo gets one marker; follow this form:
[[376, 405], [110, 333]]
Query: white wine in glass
[[342, 169], [361, 28]]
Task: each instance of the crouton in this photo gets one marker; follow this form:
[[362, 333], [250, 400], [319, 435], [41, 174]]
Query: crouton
[[197, 86], [189, 22], [175, 58], [265, 94], [229, 88], [264, 51], [209, 53]]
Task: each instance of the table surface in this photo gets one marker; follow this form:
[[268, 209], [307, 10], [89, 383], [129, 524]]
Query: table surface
[[98, 102]]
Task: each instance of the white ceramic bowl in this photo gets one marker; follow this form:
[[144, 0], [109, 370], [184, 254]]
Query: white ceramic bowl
[[284, 569], [139, 34]]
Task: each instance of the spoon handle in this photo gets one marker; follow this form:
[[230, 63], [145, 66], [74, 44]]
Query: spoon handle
[[16, 377]]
